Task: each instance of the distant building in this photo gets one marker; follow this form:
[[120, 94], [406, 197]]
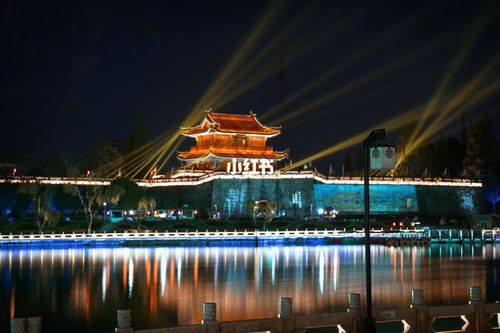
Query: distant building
[[229, 138]]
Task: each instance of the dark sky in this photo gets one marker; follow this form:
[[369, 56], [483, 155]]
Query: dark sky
[[75, 71]]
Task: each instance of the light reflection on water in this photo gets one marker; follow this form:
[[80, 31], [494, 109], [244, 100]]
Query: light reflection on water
[[80, 289]]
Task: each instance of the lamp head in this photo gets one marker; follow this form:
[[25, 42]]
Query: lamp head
[[376, 137]]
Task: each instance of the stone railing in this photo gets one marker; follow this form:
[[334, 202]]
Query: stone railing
[[476, 316], [380, 236]]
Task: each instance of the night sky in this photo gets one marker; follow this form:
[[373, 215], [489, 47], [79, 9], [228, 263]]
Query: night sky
[[76, 71]]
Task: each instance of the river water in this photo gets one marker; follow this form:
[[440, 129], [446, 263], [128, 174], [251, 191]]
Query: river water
[[79, 290]]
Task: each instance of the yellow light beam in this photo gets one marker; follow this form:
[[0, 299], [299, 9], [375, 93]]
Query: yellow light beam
[[158, 157], [438, 126], [444, 121], [164, 150], [391, 124], [227, 72], [478, 25], [230, 69], [466, 92], [138, 151], [172, 151], [353, 85], [112, 168], [227, 94], [131, 159], [297, 51], [139, 163], [374, 44], [359, 98]]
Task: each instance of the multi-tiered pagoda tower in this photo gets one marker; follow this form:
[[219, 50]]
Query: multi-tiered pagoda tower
[[224, 138]]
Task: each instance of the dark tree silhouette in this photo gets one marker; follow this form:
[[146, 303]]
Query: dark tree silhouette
[[347, 165], [481, 147], [102, 159]]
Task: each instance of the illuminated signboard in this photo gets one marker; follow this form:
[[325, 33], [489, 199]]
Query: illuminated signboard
[[250, 166], [382, 157]]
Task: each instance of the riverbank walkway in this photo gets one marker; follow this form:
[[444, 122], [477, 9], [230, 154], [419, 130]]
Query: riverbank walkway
[[253, 237]]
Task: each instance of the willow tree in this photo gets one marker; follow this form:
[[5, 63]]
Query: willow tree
[[93, 197], [41, 198], [100, 160], [145, 207], [268, 209]]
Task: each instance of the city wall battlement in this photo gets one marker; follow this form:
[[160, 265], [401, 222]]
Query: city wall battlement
[[298, 194]]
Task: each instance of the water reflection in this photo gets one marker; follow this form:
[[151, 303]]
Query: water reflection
[[80, 289]]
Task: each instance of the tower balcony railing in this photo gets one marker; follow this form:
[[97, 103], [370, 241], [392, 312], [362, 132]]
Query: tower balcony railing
[[231, 148]]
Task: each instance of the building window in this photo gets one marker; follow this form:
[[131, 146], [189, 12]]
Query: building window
[[297, 199], [467, 201], [232, 201], [239, 140]]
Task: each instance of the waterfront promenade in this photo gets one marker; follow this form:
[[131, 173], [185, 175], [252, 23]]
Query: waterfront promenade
[[249, 237]]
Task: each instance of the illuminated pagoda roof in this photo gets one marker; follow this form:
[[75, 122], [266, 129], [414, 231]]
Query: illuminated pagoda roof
[[223, 153], [223, 137], [230, 124]]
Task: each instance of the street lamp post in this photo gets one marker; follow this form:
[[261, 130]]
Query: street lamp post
[[375, 137]]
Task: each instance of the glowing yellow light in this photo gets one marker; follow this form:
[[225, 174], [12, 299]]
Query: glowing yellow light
[[353, 85], [225, 95], [478, 25], [349, 61], [470, 94], [132, 158], [389, 125]]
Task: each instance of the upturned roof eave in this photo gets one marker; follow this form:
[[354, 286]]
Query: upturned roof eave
[[210, 123], [210, 130], [211, 154]]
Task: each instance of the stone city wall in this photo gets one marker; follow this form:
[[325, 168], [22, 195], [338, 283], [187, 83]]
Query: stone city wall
[[298, 198]]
